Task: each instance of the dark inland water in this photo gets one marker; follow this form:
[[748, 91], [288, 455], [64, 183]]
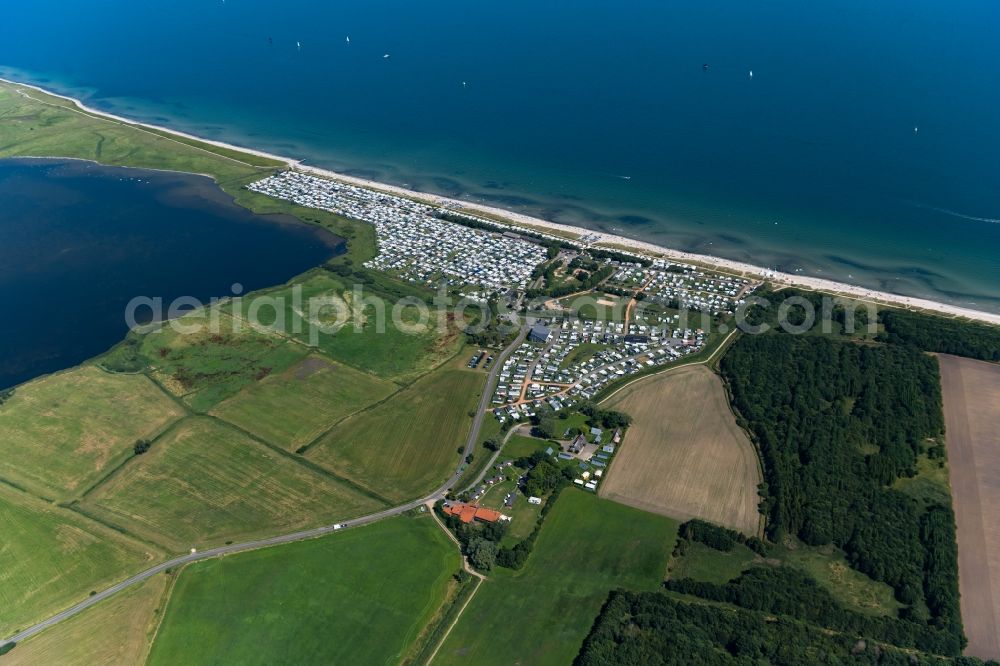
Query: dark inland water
[[78, 241]]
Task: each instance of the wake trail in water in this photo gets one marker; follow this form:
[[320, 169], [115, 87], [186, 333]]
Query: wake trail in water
[[954, 213]]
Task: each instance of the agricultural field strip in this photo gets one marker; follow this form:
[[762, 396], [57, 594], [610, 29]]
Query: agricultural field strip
[[971, 390], [260, 543], [333, 476]]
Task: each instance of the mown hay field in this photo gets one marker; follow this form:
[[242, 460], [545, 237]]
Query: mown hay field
[[51, 558], [971, 392], [405, 446], [118, 630], [294, 407], [204, 482], [62, 433], [684, 455], [359, 596]]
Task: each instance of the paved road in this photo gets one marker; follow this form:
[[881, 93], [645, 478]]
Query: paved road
[[486, 399], [477, 423]]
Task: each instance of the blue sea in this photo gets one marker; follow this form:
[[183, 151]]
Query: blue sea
[[865, 147]]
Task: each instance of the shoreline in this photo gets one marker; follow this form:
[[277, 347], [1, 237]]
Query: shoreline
[[595, 238]]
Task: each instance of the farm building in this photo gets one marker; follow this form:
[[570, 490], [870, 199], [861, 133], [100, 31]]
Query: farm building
[[469, 512]]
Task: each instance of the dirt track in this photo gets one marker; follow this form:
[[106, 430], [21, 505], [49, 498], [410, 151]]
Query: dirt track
[[972, 419], [684, 455]]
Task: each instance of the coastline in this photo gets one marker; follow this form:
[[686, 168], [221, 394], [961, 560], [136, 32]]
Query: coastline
[[595, 238]]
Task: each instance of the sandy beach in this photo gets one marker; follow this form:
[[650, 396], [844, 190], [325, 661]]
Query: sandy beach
[[600, 239]]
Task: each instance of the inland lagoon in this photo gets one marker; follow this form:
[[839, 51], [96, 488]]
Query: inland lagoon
[[78, 241]]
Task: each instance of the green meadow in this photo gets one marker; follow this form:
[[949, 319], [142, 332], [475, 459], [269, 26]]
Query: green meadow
[[542, 613], [360, 596], [204, 363], [404, 447], [351, 327], [64, 432], [294, 407]]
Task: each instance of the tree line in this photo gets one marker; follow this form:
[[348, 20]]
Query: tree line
[[938, 334], [653, 629], [793, 593], [719, 538]]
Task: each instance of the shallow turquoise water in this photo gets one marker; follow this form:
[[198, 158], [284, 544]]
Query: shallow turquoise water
[[866, 146]]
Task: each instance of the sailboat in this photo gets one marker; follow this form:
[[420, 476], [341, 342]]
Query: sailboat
[[751, 73], [348, 39]]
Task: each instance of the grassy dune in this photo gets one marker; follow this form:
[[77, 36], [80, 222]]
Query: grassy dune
[[542, 613], [64, 432], [293, 408], [405, 446], [36, 124], [204, 483], [360, 596], [51, 558]]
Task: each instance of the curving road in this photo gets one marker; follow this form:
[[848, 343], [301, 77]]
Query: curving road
[[470, 443]]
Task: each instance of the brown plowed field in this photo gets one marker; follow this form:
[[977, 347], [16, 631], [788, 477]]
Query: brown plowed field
[[972, 419]]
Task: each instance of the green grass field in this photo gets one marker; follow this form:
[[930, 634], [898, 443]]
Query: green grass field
[[51, 558], [293, 408], [361, 596], [118, 630], [542, 613], [328, 313], [64, 432], [204, 483], [582, 353], [519, 446], [407, 445]]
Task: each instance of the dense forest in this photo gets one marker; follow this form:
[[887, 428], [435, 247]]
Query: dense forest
[[836, 423], [938, 334], [650, 628]]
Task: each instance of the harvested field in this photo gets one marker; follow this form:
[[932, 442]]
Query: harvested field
[[971, 391], [685, 456], [115, 631], [204, 483]]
